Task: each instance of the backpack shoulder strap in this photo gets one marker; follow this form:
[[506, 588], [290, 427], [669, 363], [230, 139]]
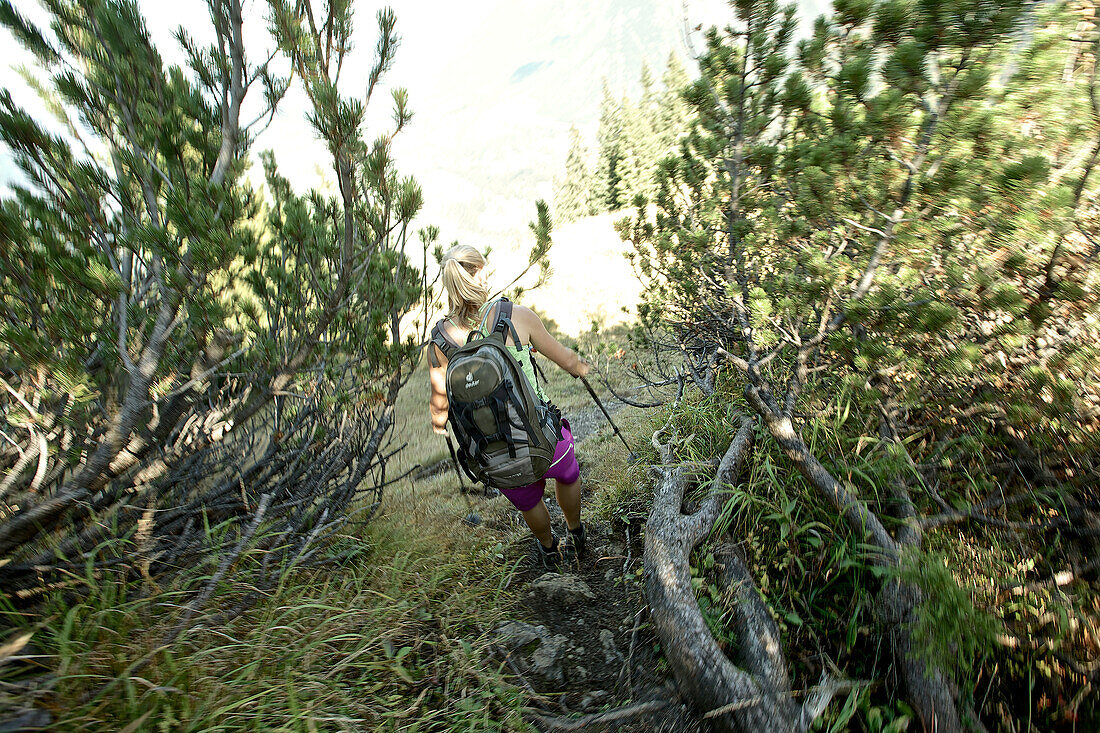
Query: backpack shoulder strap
[[503, 322], [504, 312], [440, 340], [503, 308]]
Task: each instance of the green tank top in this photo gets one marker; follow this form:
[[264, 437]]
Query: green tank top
[[523, 352]]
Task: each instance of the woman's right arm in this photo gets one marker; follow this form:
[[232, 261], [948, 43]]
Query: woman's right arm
[[549, 346]]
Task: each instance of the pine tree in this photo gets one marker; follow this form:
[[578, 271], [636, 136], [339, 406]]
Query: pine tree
[[672, 110], [574, 196], [609, 154], [640, 144], [825, 216], [156, 311]]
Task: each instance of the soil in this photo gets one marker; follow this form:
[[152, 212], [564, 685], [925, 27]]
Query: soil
[[582, 657], [598, 654]]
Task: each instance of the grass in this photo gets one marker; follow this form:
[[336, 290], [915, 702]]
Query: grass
[[393, 638]]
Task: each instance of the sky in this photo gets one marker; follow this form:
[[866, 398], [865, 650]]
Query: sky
[[449, 53], [495, 86]]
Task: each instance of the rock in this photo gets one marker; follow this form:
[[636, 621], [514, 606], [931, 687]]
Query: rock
[[580, 674], [610, 651], [533, 649], [594, 699], [546, 661], [512, 635], [27, 720], [566, 590]]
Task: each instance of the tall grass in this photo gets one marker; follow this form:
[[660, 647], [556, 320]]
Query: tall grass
[[820, 585], [392, 637]]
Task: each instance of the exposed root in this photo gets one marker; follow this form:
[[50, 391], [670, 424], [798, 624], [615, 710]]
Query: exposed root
[[753, 694], [583, 723]]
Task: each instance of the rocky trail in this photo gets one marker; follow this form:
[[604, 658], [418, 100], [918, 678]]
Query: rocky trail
[[579, 641], [580, 644]]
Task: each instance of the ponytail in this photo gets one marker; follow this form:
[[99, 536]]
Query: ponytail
[[465, 293]]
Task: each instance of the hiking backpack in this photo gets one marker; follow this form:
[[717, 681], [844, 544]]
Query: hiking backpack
[[506, 433]]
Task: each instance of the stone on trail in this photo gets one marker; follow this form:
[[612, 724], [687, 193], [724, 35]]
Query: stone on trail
[[566, 590], [533, 649], [594, 699], [547, 659], [611, 653], [512, 635]]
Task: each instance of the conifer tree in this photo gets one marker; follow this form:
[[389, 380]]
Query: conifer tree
[[814, 221], [162, 315], [640, 143], [139, 244], [609, 153], [574, 195], [672, 110]]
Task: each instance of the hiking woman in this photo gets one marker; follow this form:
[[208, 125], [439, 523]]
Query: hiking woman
[[464, 277]]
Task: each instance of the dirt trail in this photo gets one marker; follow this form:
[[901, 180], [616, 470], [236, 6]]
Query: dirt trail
[[579, 641]]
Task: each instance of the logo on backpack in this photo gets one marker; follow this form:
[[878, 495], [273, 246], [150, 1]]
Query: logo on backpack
[[470, 381]]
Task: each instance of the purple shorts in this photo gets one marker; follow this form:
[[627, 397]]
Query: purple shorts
[[563, 469]]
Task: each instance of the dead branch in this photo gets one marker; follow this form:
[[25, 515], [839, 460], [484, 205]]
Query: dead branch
[[611, 716]]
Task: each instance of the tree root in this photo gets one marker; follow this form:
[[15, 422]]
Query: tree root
[[928, 689], [753, 694], [610, 716]]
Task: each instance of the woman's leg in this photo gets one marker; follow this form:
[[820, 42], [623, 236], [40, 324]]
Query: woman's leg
[[569, 499], [538, 519]]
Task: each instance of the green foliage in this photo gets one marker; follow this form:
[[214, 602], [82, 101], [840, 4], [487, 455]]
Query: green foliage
[[93, 249], [298, 272], [633, 137], [888, 186], [609, 154], [574, 195], [385, 631], [153, 303], [948, 631]]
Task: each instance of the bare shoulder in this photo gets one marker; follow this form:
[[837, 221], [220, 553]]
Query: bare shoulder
[[523, 314]]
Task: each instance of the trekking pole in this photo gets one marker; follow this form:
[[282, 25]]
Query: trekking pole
[[473, 518], [633, 455]]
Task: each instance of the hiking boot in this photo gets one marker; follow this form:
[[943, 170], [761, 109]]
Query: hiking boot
[[579, 537], [551, 557]]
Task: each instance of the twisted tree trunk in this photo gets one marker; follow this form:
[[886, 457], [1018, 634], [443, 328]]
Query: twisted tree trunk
[[753, 693]]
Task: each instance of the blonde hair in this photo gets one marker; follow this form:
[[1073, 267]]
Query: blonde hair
[[465, 293]]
